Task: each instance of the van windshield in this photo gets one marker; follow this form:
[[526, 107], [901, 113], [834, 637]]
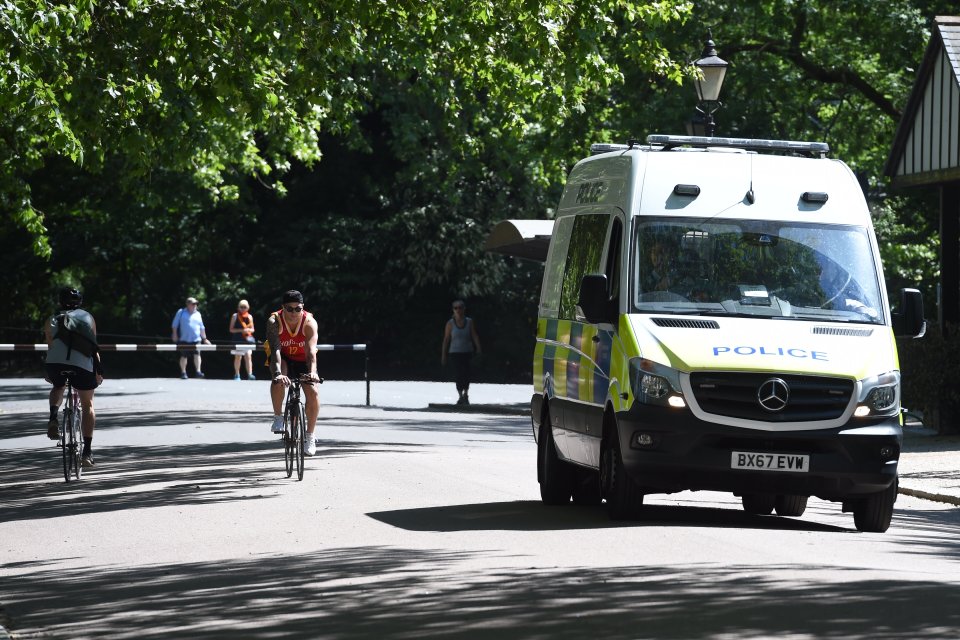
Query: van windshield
[[755, 268]]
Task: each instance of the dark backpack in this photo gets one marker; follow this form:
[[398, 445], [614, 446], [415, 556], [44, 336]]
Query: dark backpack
[[74, 330]]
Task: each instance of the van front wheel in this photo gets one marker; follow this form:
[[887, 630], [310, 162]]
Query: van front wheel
[[624, 497], [873, 513], [556, 476]]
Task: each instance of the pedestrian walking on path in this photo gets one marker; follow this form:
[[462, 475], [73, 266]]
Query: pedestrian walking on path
[[460, 343]]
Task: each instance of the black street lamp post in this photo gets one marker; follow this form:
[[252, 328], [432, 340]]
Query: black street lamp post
[[711, 69]]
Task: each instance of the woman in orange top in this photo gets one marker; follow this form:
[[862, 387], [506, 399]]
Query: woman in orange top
[[292, 334], [241, 330]]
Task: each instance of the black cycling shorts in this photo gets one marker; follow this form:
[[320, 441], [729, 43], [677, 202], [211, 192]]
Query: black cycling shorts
[[82, 379], [295, 368]]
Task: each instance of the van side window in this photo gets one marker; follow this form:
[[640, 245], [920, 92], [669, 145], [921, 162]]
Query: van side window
[[553, 271], [583, 257]]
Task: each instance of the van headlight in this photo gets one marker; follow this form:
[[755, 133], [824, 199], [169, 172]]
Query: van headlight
[[879, 395], [654, 383]]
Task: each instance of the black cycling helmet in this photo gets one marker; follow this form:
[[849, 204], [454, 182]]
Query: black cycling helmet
[[70, 298]]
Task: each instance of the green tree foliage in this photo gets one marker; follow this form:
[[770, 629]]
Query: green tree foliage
[[840, 72], [837, 71], [221, 90], [151, 150], [148, 143]]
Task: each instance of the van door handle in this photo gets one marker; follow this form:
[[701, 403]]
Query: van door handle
[[595, 338]]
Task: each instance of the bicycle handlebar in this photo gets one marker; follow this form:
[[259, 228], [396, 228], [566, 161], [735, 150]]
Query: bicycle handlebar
[[300, 379]]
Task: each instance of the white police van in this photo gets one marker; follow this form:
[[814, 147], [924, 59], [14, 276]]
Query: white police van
[[713, 317]]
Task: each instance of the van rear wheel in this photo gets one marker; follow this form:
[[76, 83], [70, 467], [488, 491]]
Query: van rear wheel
[[556, 476], [624, 496], [758, 504], [873, 513], [790, 505]]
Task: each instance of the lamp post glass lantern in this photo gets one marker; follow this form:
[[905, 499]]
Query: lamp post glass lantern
[[711, 70]]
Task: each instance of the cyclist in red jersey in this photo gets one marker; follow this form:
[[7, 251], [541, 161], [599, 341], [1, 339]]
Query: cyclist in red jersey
[[292, 333]]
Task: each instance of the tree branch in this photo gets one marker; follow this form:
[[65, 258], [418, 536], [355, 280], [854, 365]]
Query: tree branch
[[814, 71]]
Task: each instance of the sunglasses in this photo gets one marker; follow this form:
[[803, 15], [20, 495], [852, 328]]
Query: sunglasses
[[293, 309]]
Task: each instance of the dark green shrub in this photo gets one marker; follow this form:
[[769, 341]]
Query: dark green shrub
[[930, 376]]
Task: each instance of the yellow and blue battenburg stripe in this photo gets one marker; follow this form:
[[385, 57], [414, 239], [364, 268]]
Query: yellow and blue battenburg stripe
[[573, 361], [574, 358]]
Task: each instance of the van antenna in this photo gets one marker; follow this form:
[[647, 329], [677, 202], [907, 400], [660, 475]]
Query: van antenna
[[751, 198], [631, 142]]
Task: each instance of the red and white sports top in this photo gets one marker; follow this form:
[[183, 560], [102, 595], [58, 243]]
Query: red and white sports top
[[292, 339]]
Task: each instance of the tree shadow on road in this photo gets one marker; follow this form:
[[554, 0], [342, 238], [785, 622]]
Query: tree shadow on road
[[24, 393], [187, 473], [32, 485], [388, 592], [503, 427], [20, 425], [40, 392], [367, 592]]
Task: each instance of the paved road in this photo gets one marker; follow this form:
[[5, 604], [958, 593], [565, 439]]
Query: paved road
[[414, 524]]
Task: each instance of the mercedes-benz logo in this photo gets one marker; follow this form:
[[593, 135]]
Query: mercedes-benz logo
[[773, 394]]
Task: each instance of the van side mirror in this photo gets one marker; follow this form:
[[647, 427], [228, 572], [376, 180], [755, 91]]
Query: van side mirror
[[909, 322], [594, 302]]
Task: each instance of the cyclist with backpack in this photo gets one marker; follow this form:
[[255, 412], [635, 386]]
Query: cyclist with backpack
[[72, 346]]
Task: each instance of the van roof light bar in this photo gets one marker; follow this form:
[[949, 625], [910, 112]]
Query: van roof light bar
[[604, 147], [815, 149]]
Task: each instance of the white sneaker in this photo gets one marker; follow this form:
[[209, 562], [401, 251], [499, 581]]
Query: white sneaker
[[309, 445], [277, 426]]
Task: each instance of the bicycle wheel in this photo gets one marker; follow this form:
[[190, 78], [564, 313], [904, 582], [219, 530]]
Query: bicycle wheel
[[64, 442], [76, 441], [301, 439], [289, 423]]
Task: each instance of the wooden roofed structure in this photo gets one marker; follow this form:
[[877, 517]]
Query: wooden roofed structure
[[926, 149]]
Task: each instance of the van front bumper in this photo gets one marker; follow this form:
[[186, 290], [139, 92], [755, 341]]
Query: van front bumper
[[687, 453]]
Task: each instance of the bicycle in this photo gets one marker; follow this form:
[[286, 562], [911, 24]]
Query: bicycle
[[295, 427], [70, 439]]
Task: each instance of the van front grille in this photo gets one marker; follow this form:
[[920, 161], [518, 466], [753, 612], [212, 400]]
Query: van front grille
[[738, 395]]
